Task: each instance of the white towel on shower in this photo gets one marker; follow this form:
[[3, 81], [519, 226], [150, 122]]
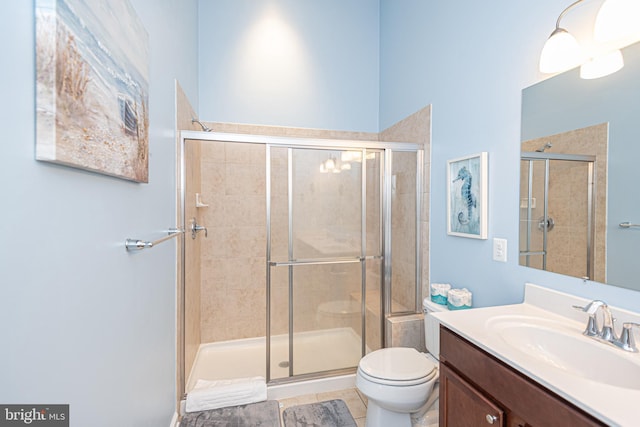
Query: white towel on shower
[[221, 393]]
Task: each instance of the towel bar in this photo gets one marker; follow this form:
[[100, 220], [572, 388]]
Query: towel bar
[[628, 225], [137, 244]]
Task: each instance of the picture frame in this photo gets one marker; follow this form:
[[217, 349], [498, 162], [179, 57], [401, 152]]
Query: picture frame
[[467, 185], [92, 87]]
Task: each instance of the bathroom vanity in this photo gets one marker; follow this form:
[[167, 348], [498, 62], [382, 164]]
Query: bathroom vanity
[[477, 389], [529, 364]]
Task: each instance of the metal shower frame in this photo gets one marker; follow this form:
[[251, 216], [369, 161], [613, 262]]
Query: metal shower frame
[[387, 148], [531, 157]]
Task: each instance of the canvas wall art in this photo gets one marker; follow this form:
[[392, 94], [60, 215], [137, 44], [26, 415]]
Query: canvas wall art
[[467, 196], [92, 87]]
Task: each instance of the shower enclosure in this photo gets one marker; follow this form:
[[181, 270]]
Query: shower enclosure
[[557, 197], [296, 249]]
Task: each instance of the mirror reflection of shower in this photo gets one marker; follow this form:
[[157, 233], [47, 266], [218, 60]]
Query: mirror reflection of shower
[[557, 235], [563, 196]]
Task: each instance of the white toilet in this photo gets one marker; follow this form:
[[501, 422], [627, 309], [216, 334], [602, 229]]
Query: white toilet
[[400, 382]]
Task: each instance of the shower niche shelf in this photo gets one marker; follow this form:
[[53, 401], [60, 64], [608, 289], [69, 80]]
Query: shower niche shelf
[[199, 203]]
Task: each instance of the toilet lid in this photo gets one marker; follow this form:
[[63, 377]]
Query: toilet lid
[[396, 364]]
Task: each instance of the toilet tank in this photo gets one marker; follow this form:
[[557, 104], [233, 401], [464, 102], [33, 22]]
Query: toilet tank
[[432, 326]]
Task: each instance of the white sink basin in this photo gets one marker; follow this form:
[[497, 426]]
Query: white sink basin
[[563, 347]]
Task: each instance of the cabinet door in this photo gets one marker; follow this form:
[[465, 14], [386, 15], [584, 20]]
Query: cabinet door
[[461, 405]]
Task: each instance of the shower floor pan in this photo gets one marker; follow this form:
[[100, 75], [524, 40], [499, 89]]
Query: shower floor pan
[[314, 351]]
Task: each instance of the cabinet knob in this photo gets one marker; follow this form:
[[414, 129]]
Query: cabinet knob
[[491, 418]]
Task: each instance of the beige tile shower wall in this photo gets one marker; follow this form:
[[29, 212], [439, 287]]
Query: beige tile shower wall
[[406, 331], [291, 131], [416, 128], [567, 202], [570, 219], [233, 256], [232, 297], [233, 267], [190, 299], [403, 225]]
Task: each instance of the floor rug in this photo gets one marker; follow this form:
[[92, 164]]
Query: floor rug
[[332, 413], [261, 414]]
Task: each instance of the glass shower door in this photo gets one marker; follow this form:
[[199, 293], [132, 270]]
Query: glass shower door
[[317, 269]]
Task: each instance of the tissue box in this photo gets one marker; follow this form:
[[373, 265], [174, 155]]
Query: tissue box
[[439, 293], [458, 299]]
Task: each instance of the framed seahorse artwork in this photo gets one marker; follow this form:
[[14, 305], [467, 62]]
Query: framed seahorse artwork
[[467, 196]]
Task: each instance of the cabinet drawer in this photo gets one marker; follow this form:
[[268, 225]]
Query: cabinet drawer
[[515, 392]]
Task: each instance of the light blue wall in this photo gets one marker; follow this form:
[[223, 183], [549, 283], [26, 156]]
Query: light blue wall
[[290, 63], [471, 62], [82, 322]]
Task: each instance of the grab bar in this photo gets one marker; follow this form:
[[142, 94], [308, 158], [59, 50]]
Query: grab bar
[[136, 244], [337, 260], [628, 225]]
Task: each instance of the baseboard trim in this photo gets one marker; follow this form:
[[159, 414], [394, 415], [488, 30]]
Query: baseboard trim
[[174, 420]]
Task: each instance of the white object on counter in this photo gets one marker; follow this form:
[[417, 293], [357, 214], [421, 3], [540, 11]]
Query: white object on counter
[[439, 292], [458, 299]]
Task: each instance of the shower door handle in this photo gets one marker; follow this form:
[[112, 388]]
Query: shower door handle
[[195, 229]]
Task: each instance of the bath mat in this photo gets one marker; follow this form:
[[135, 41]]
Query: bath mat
[[332, 413], [261, 414]]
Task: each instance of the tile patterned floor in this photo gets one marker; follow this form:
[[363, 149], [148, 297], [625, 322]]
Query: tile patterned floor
[[356, 402]]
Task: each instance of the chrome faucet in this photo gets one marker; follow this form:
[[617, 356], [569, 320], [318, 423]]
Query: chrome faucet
[[592, 329], [607, 332], [196, 228], [626, 340]]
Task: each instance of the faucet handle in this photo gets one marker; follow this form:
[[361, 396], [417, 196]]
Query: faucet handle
[[627, 341], [592, 329]]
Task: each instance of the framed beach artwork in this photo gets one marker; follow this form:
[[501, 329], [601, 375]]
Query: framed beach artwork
[[467, 196], [92, 90]]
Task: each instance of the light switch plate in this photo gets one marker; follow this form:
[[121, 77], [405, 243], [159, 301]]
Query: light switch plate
[[500, 249]]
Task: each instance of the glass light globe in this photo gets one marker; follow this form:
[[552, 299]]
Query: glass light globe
[[602, 65], [618, 20], [560, 53]]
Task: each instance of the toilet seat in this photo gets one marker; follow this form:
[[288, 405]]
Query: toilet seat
[[399, 366]]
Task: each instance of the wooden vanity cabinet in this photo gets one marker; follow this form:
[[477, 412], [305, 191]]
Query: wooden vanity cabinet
[[476, 389]]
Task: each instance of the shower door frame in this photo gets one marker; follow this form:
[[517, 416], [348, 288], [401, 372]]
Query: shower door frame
[[387, 149], [590, 160]]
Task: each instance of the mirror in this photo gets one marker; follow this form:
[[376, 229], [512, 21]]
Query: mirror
[[580, 175]]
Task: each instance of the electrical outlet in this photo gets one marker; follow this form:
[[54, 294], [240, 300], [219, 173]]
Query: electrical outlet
[[500, 249]]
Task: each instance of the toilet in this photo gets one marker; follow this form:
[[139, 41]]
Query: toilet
[[400, 383]]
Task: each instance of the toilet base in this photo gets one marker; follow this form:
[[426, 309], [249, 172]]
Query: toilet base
[[379, 417]]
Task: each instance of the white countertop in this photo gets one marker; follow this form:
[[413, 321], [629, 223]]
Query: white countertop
[[611, 404]]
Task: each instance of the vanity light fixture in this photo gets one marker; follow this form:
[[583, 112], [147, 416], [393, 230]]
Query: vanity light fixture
[[561, 52], [617, 20], [617, 24], [602, 65]]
